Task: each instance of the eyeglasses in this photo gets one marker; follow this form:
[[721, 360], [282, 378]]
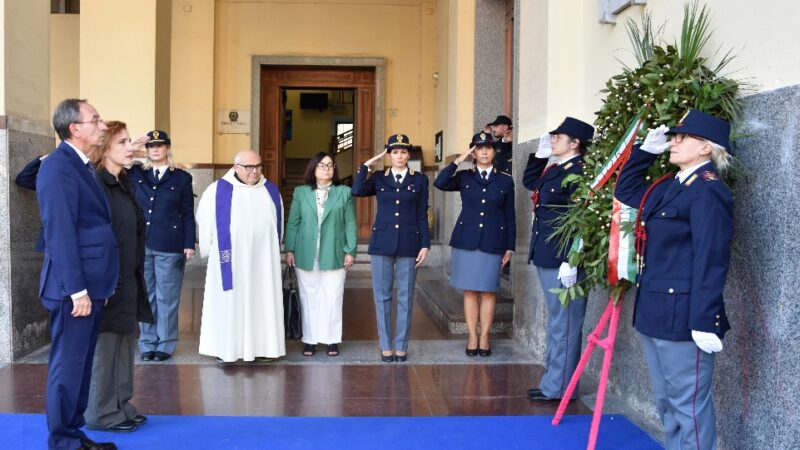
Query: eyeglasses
[[679, 137], [323, 166], [251, 167], [94, 121]]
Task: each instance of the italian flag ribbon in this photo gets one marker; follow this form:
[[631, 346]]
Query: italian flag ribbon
[[621, 244]]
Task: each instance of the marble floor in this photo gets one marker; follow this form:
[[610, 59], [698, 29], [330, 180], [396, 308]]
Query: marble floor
[[438, 379]]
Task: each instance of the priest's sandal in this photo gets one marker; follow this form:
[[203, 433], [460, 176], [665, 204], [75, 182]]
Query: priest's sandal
[[333, 350], [309, 350]]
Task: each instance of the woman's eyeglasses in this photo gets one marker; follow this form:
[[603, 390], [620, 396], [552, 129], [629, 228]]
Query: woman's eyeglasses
[[323, 166], [679, 137]]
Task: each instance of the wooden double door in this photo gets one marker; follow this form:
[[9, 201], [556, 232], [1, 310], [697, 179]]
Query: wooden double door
[[275, 79]]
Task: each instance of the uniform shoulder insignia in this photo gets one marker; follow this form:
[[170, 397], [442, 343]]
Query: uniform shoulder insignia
[[505, 173], [709, 176], [568, 165], [690, 180]]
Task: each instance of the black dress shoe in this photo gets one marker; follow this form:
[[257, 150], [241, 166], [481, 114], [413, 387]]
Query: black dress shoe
[[161, 356], [534, 391], [148, 356], [124, 427], [484, 353], [387, 358], [401, 358], [540, 397], [471, 351], [139, 419], [88, 444]]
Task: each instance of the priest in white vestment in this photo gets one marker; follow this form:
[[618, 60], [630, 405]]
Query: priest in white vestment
[[240, 219]]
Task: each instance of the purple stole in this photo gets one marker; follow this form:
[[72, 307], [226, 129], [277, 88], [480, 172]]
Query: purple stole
[[223, 209]]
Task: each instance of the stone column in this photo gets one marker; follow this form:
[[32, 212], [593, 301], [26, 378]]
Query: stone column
[[25, 133]]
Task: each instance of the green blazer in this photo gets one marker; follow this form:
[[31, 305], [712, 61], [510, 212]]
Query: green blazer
[[337, 234]]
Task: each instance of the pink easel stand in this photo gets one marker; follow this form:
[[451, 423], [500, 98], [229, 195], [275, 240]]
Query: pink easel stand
[[611, 314]]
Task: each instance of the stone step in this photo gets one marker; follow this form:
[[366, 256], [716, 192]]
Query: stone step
[[445, 306]]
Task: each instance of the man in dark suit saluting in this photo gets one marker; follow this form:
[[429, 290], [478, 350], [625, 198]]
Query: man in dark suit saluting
[[80, 268]]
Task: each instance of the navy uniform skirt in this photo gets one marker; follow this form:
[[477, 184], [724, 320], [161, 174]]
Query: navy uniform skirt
[[474, 270]]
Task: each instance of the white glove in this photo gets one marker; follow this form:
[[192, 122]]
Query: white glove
[[656, 141], [567, 275], [707, 342], [545, 149]]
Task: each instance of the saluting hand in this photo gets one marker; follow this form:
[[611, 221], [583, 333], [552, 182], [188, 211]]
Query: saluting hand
[[545, 149], [506, 259], [656, 141], [508, 136], [374, 159], [462, 157], [423, 254], [138, 144]]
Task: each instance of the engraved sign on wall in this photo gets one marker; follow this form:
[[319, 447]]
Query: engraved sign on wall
[[233, 121]]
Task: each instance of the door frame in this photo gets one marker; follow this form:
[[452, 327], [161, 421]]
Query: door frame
[[364, 207]]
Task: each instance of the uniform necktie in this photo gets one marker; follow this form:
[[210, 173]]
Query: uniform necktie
[[535, 195], [484, 175], [157, 174], [398, 177]]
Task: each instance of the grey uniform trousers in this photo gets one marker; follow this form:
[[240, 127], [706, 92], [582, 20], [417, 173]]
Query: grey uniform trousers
[[682, 375], [564, 336]]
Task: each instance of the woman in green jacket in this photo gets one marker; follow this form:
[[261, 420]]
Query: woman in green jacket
[[320, 243]]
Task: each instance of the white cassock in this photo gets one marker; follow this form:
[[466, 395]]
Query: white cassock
[[247, 321]]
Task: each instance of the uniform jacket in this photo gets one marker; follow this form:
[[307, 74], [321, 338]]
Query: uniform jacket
[[401, 218], [168, 207], [80, 247], [504, 156], [129, 303], [554, 198], [689, 230], [27, 179], [337, 235], [487, 221]]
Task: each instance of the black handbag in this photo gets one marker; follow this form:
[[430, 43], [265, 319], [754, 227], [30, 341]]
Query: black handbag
[[291, 304]]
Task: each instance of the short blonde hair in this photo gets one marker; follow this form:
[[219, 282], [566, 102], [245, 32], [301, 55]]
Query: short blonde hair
[[720, 156]]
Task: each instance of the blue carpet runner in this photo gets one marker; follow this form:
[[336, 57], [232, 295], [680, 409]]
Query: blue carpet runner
[[29, 431]]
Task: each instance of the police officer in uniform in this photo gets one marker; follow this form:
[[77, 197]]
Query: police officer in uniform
[[503, 137], [684, 231], [483, 237], [165, 194], [399, 242], [566, 144]]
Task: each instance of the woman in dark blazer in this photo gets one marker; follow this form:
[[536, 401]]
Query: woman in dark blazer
[[483, 237], [685, 229], [165, 194], [399, 242], [320, 242], [551, 200], [112, 372]]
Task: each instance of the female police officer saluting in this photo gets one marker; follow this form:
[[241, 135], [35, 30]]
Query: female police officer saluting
[[400, 240], [685, 228], [483, 237], [566, 144]]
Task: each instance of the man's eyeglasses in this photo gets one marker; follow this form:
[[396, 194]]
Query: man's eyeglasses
[[94, 121], [251, 167], [679, 137], [323, 166]]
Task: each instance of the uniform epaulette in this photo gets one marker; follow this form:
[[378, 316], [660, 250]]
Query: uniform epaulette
[[690, 180], [504, 173], [709, 176], [568, 165]]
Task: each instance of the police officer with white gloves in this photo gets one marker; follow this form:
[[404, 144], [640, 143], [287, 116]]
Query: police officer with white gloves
[[551, 198], [685, 228]]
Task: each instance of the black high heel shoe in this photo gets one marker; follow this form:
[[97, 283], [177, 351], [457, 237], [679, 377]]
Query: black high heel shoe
[[401, 358], [484, 353], [471, 351], [387, 358]]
